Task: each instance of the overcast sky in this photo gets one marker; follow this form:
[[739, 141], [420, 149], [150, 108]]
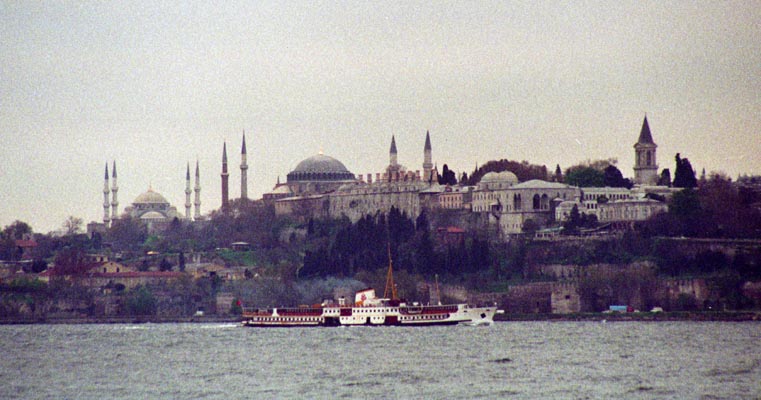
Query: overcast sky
[[156, 85]]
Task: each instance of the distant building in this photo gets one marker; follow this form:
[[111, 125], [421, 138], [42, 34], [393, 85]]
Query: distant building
[[623, 213], [511, 205]]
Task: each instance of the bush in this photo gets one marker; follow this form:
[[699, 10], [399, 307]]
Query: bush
[[140, 301]]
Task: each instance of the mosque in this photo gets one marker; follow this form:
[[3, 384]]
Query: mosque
[[153, 209], [322, 186]]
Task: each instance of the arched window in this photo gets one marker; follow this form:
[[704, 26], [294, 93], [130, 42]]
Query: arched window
[[545, 202], [649, 158], [517, 202], [537, 202]]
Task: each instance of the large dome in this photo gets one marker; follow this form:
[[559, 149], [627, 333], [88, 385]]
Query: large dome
[[320, 168], [150, 197]]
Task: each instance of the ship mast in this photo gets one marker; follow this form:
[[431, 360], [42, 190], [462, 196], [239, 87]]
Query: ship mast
[[438, 294], [390, 278]]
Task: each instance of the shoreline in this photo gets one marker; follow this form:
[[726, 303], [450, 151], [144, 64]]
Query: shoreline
[[726, 316], [144, 319], [699, 316]]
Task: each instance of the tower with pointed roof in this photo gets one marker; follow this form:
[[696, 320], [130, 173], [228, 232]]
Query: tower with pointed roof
[[187, 192], [393, 162], [106, 203], [645, 164], [427, 162], [197, 190], [225, 175], [114, 197], [243, 170]]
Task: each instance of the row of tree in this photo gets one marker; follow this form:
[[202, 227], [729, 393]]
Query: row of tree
[[374, 241]]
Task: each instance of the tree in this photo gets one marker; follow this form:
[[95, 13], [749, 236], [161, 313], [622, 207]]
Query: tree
[[523, 170], [724, 210], [530, 226], [571, 225], [17, 230], [165, 265], [665, 179], [614, 178], [684, 175], [685, 209], [72, 225], [127, 233], [447, 177], [140, 301], [558, 174], [585, 177], [181, 262]]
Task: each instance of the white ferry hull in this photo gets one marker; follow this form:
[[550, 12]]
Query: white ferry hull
[[372, 316]]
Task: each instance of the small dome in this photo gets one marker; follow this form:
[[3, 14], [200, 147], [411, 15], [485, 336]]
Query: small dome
[[152, 215], [150, 197], [282, 189], [499, 177]]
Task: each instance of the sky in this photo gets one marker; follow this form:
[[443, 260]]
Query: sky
[[157, 85]]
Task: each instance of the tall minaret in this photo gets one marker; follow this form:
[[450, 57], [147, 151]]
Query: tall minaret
[[198, 195], [427, 163], [114, 198], [225, 175], [645, 165], [392, 152], [106, 204], [243, 170], [187, 192]]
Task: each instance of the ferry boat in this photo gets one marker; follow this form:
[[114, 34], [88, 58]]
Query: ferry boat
[[368, 309]]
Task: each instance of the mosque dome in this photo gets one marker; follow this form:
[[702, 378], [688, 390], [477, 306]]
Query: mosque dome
[[498, 180], [320, 168], [153, 215], [150, 197], [500, 177]]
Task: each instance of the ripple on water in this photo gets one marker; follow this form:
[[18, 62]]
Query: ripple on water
[[522, 360]]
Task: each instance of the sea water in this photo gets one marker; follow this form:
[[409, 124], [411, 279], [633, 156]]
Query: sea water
[[574, 360]]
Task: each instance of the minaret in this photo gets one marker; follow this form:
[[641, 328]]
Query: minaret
[[197, 189], [427, 164], [645, 165], [187, 192], [243, 170], [114, 198], [225, 175], [392, 153], [106, 204]]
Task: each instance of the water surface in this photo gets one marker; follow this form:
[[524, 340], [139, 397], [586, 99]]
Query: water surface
[[579, 360]]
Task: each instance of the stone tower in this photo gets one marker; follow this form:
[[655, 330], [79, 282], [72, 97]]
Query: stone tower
[[427, 162], [392, 153], [243, 170], [106, 203], [225, 175], [187, 192], [197, 189], [114, 197], [645, 164]]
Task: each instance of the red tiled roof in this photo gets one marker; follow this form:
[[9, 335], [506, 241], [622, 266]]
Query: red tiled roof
[[137, 274], [452, 229]]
